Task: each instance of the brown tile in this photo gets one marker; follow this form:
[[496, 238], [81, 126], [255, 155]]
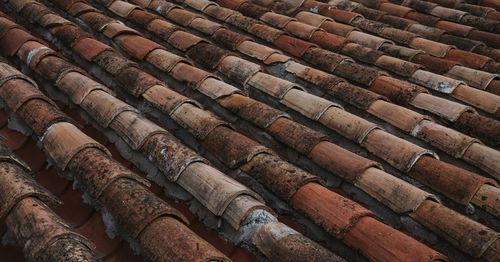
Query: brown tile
[[183, 40], [16, 38], [324, 59], [52, 20], [164, 98], [255, 50], [122, 8], [205, 26], [327, 40], [333, 212], [292, 45], [276, 20], [398, 36], [487, 198], [13, 139], [90, 48], [137, 46], [467, 59], [197, 121], [483, 157], [141, 17], [394, 9], [238, 69], [135, 129], [472, 237], [95, 230], [207, 55], [66, 5], [33, 11], [32, 155], [454, 28], [252, 10], [104, 108], [358, 73], [312, 18], [265, 32], [49, 179], [96, 20], [338, 28], [278, 88], [190, 75], [219, 13], [428, 20], [431, 33], [398, 116], [401, 92], [434, 64], [396, 65], [73, 210], [78, 8], [431, 47], [231, 147], [162, 28], [228, 39], [378, 241], [115, 29], [167, 238], [136, 81], [181, 16]]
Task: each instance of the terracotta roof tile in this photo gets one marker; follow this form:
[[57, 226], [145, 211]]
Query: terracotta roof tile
[[228, 39], [206, 26]]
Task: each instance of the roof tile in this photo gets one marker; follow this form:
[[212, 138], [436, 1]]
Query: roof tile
[[78, 86], [136, 81], [103, 107], [199, 122], [205, 26], [398, 116], [114, 29], [312, 18], [347, 124], [273, 86], [112, 62], [296, 47], [255, 50], [327, 40], [444, 108], [183, 40], [164, 98], [228, 39], [358, 73], [265, 32], [162, 28], [90, 48], [96, 20], [16, 38], [164, 60], [136, 46], [237, 69], [215, 88], [135, 129], [122, 8], [190, 75], [295, 135], [396, 65], [324, 59]]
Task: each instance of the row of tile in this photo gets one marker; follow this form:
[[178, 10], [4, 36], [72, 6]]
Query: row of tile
[[315, 112], [404, 18], [324, 59], [117, 191], [475, 9], [419, 99], [29, 222], [260, 164], [193, 84], [265, 166], [485, 101], [378, 51]]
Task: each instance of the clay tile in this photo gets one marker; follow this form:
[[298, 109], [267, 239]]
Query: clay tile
[[271, 85], [398, 152], [292, 45], [13, 139], [16, 93], [16, 185], [278, 241], [468, 59], [135, 129], [162, 28], [396, 65], [491, 39], [288, 7], [183, 40], [476, 10], [374, 27], [466, 44], [80, 8], [8, 73], [379, 241], [448, 13], [216, 89], [134, 207], [295, 135], [114, 29], [141, 17], [89, 48], [277, 58], [301, 30], [231, 4], [487, 198], [95, 229], [328, 41], [237, 69], [198, 121], [347, 124], [396, 10], [454, 28], [6, 25], [200, 5], [207, 55], [265, 32], [205, 26], [168, 239], [307, 104], [65, 5], [53, 67], [161, 7], [190, 75], [367, 40], [52, 20], [434, 64], [170, 155], [276, 20], [255, 50], [19, 5], [338, 28], [471, 236], [96, 20], [422, 6], [312, 18], [232, 148], [252, 10], [240, 21], [428, 32], [103, 107], [17, 37], [401, 117], [442, 107], [400, 51], [446, 139], [431, 47], [435, 82], [211, 187], [137, 46], [164, 60], [38, 230], [78, 86], [228, 38], [485, 158], [240, 208], [121, 8], [476, 78], [424, 19], [324, 59], [49, 179], [251, 110], [62, 141], [398, 35], [33, 11], [112, 61], [358, 73], [69, 34], [219, 13], [181, 16], [136, 81], [165, 99], [361, 53], [332, 211]]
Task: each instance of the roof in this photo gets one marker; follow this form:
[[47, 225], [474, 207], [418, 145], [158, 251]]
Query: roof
[[250, 130]]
